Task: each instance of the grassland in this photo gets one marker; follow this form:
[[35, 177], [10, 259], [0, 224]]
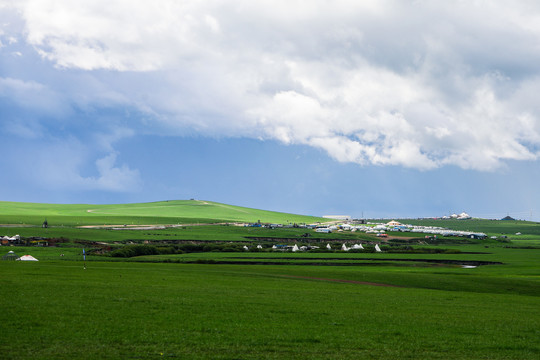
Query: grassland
[[129, 310], [161, 212], [263, 305]]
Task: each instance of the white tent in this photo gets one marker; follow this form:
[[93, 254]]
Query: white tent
[[328, 247], [246, 248], [344, 247], [27, 258], [377, 248], [295, 248], [358, 247], [259, 247]]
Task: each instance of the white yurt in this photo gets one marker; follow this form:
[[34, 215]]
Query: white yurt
[[27, 258]]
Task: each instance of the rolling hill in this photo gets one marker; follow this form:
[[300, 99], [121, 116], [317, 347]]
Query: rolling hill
[[161, 212]]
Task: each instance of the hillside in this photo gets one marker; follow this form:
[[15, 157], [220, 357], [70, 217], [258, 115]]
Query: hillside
[[161, 212]]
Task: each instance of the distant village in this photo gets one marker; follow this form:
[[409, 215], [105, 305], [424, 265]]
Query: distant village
[[344, 223], [340, 223], [335, 224]]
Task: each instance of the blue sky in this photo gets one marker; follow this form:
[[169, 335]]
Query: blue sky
[[374, 108]]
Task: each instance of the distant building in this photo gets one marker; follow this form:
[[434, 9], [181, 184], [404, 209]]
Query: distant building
[[462, 216], [359, 221]]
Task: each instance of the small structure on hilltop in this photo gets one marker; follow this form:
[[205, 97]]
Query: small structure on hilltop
[[46, 224], [10, 256], [508, 217]]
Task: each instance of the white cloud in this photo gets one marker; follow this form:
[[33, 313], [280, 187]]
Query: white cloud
[[416, 84], [114, 178], [33, 95], [60, 166]]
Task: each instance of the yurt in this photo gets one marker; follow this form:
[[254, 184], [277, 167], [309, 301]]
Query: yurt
[[27, 258], [10, 256]]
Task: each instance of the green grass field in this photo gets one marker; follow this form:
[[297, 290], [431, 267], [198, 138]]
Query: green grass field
[[161, 212], [262, 305], [55, 309]]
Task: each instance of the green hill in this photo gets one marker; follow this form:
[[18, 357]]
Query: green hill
[[161, 212]]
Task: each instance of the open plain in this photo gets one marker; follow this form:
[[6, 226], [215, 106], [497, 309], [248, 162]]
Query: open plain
[[199, 294]]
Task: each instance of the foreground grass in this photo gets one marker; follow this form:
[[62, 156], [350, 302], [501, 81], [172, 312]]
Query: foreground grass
[[130, 310]]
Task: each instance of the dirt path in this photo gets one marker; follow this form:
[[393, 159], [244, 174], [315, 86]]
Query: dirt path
[[146, 227]]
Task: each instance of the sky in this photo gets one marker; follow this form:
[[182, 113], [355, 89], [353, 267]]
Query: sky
[[363, 108]]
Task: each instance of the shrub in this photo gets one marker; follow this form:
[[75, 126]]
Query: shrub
[[135, 250]]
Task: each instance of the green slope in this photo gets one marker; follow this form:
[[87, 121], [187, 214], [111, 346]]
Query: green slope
[[161, 212]]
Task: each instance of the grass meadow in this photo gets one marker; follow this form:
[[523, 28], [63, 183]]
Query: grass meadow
[[161, 212], [414, 304], [56, 309]]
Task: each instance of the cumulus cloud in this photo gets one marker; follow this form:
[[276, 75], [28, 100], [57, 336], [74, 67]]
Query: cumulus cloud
[[415, 84], [60, 167], [114, 178]]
